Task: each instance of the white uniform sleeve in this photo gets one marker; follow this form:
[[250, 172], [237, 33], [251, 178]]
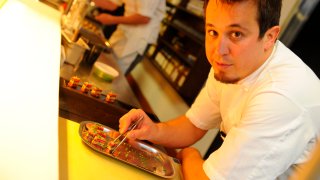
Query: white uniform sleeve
[[260, 145]]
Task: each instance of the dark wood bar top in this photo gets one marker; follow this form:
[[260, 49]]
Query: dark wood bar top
[[78, 106], [119, 85]]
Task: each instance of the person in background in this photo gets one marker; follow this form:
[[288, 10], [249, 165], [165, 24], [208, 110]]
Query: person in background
[[137, 28], [264, 99], [109, 29]]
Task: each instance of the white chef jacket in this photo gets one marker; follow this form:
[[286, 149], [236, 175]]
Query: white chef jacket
[[271, 118], [130, 40]]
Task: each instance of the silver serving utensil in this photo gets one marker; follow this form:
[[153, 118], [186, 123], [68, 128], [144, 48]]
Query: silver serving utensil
[[131, 127]]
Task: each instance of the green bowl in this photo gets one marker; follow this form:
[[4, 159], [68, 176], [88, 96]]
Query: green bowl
[[105, 71]]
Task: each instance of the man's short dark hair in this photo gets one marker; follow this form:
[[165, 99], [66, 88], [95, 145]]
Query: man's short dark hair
[[268, 12]]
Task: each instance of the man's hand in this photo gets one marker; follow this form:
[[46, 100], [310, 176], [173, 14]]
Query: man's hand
[[192, 164], [146, 129]]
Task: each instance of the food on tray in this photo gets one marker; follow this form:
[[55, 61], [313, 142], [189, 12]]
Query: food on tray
[[101, 139], [111, 97], [74, 81], [86, 87], [95, 92]]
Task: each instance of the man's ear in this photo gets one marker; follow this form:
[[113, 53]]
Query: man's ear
[[270, 37]]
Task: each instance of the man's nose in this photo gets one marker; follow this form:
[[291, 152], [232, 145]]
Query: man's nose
[[222, 46]]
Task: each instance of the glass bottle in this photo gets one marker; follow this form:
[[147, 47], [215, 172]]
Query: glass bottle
[[72, 21]]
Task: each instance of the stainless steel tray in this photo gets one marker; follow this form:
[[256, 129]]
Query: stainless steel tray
[[135, 153]]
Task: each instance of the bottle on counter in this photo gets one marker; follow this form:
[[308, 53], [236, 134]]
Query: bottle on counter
[[72, 20]]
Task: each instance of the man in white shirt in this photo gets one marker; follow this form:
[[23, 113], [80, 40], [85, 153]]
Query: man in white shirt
[[138, 27], [258, 92]]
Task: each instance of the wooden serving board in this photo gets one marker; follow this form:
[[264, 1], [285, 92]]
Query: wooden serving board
[[79, 106]]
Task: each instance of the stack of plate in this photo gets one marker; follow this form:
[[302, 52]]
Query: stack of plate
[[105, 71]]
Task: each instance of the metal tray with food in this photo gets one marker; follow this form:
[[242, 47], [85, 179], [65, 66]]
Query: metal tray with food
[[133, 152]]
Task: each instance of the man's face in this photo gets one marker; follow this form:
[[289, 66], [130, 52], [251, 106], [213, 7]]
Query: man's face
[[233, 47]]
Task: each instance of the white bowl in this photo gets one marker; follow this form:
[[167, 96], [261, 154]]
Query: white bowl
[[105, 71]]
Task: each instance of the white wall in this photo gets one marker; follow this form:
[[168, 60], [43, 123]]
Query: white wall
[[30, 56], [289, 7]]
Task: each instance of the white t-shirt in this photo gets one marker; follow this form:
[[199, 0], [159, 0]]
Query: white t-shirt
[[137, 37], [271, 118]]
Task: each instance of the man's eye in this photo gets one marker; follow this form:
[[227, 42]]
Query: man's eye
[[212, 33], [236, 35]]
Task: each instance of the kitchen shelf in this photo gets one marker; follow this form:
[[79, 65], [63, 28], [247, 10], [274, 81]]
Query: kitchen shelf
[[180, 53], [182, 7], [193, 34]]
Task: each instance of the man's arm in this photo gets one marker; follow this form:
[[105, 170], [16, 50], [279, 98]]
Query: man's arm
[[177, 133], [192, 164], [134, 19]]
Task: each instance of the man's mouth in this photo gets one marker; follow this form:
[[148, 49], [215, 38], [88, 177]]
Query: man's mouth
[[223, 65]]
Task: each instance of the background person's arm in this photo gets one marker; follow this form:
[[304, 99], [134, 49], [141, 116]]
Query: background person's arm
[[134, 19], [106, 4]]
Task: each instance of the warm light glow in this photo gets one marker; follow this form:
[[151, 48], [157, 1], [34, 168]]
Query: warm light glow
[[30, 56], [2, 3]]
